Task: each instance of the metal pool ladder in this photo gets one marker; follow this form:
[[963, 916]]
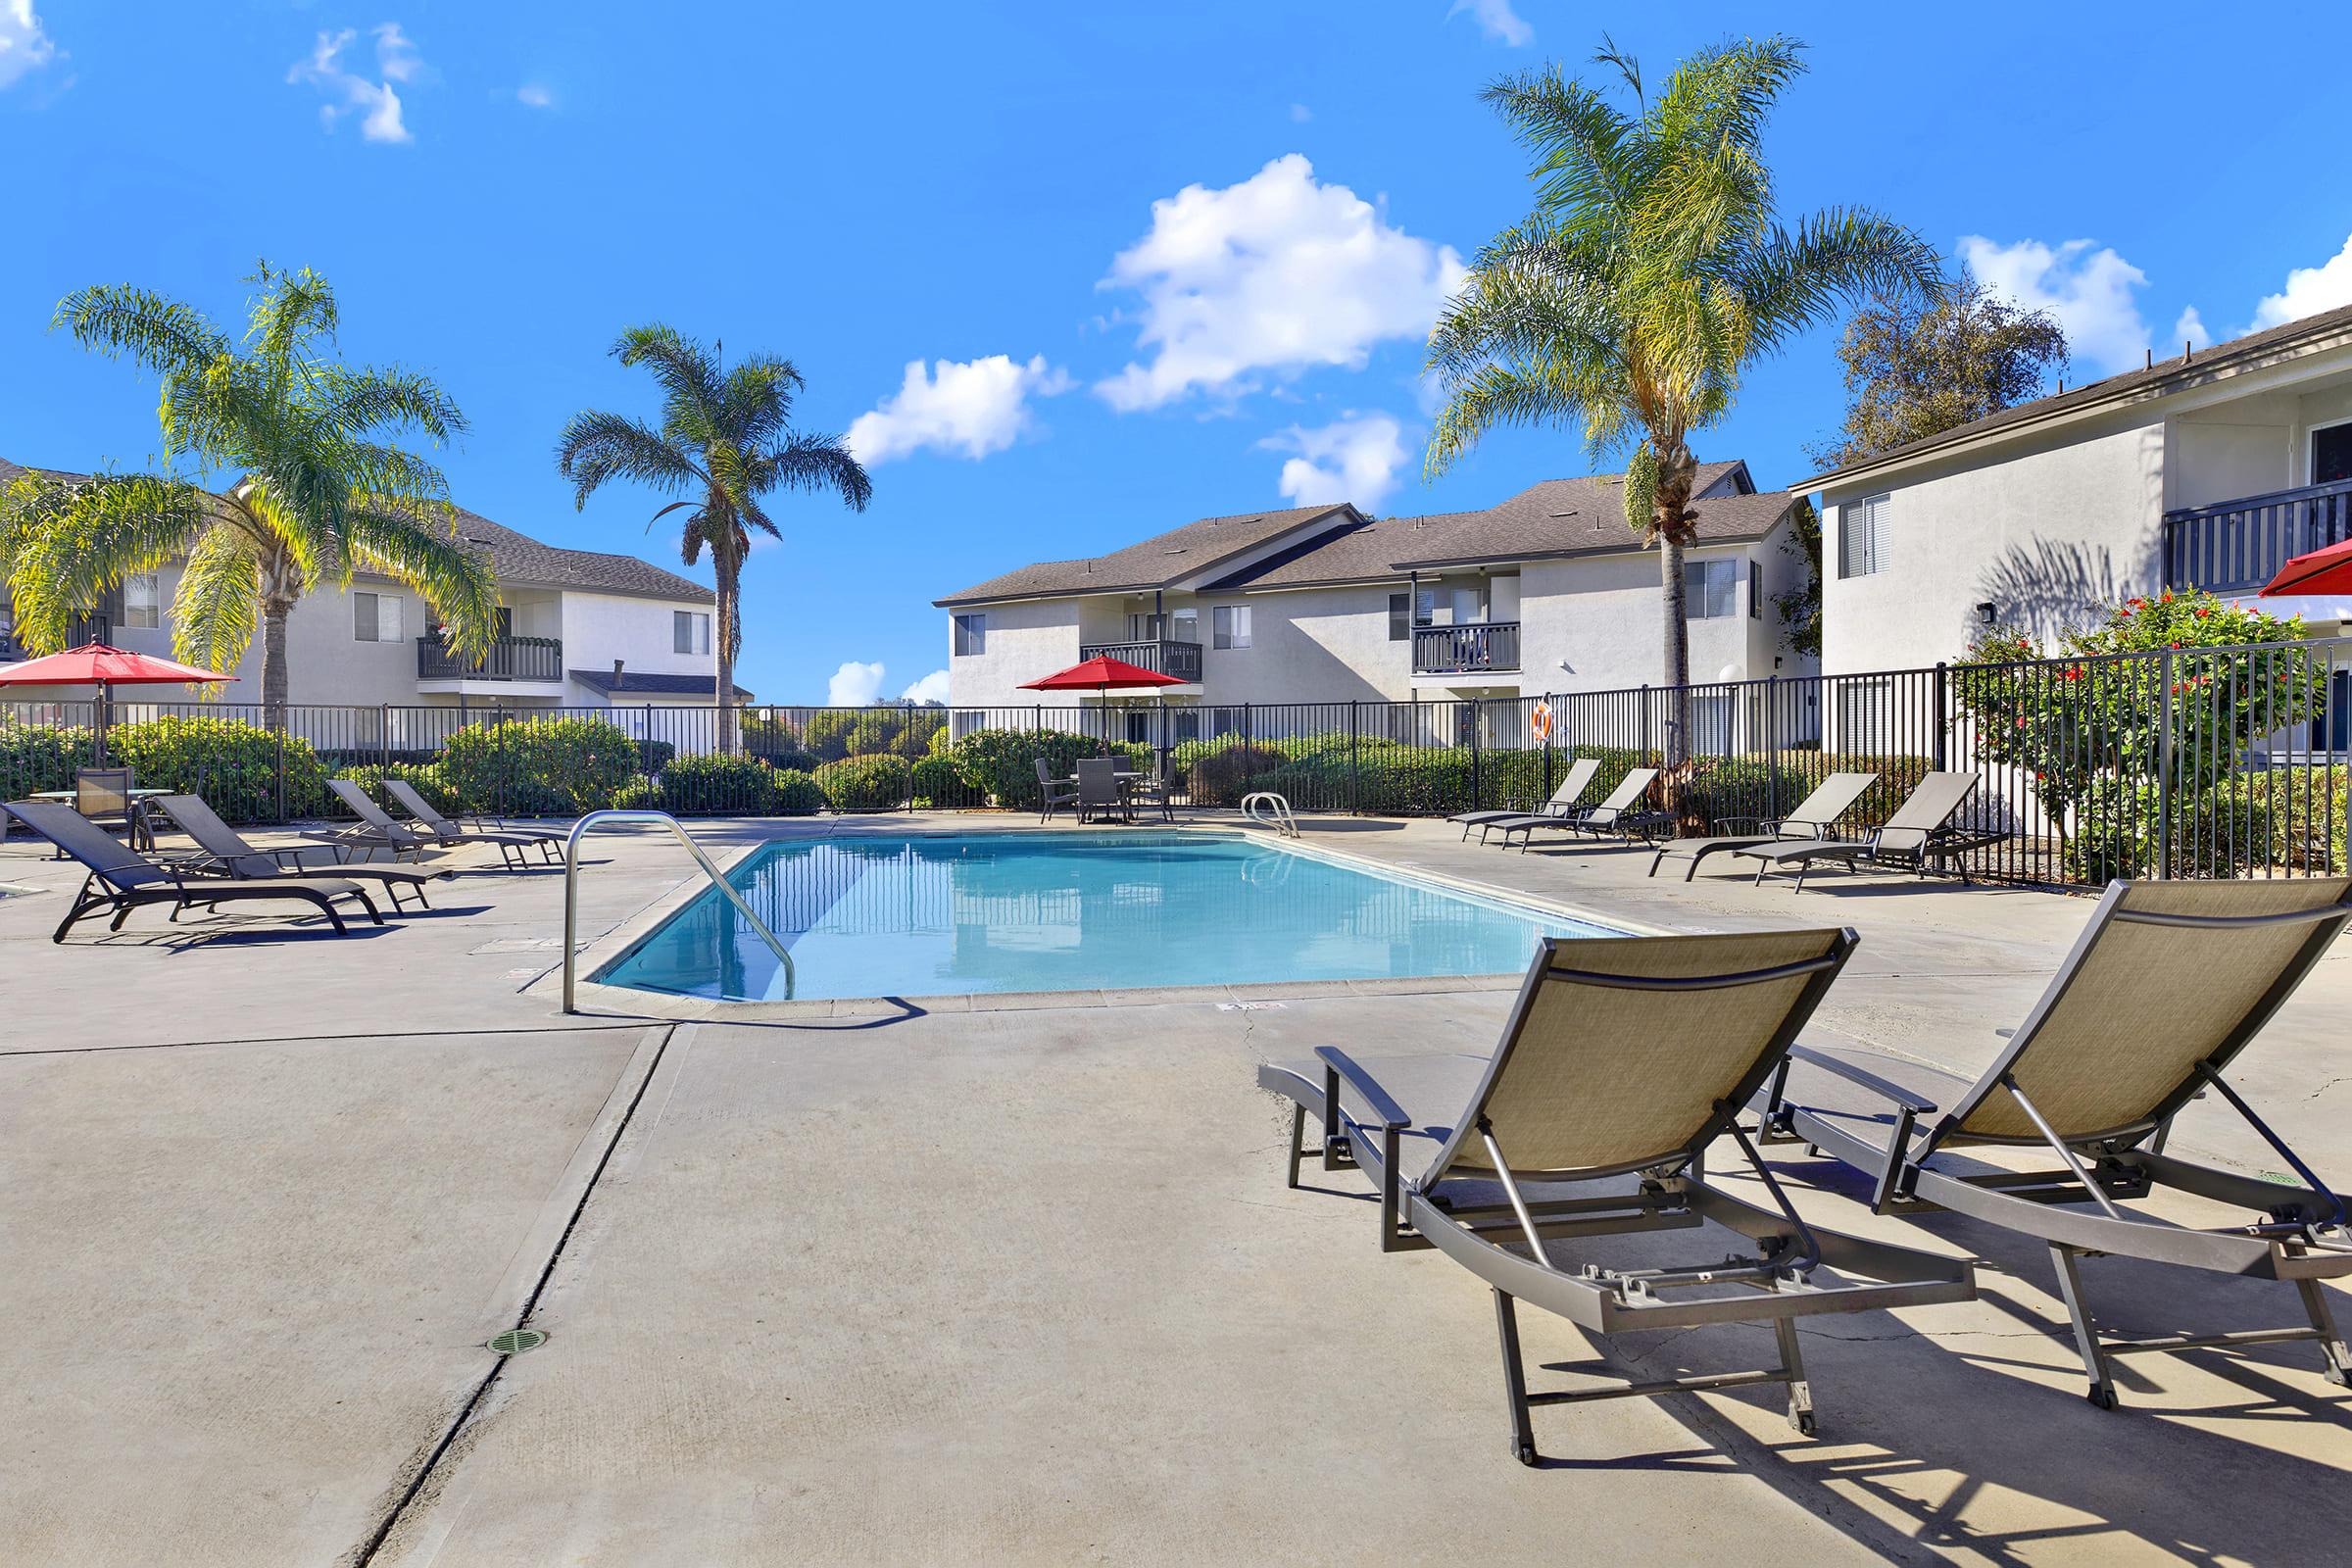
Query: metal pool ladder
[[571, 892], [1269, 810]]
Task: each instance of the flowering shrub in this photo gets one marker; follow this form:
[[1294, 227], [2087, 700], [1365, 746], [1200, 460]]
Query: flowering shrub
[[2162, 699]]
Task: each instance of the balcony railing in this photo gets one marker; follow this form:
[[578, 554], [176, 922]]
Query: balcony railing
[[1475, 649], [1180, 660], [2238, 546], [538, 658]]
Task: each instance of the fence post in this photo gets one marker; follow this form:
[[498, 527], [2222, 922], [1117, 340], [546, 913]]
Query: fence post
[[1646, 722], [1943, 674], [1772, 746], [1355, 783], [1246, 735], [383, 741], [1477, 723], [281, 775], [2164, 769], [1550, 731]]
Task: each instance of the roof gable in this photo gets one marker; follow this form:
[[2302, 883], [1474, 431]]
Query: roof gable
[[1161, 561]]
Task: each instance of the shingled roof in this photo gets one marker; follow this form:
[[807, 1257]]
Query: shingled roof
[[519, 560], [1551, 520], [633, 684], [2193, 369], [1160, 561]]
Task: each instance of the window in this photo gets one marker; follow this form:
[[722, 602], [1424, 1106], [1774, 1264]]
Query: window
[[689, 632], [1400, 617], [1756, 590], [1862, 536], [2332, 454], [1188, 726], [1707, 589], [1143, 628], [1425, 606], [1231, 624], [376, 617], [142, 600], [1865, 711], [971, 635]]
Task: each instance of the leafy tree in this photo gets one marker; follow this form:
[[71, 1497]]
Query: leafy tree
[[725, 437], [1915, 369], [1800, 607], [319, 489], [1653, 273]]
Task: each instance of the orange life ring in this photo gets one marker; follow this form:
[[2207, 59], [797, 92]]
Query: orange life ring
[[1540, 721]]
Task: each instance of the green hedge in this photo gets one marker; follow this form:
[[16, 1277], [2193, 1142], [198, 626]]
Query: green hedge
[[866, 783], [1000, 765], [540, 768], [797, 794], [716, 786], [938, 785], [39, 756], [233, 764]]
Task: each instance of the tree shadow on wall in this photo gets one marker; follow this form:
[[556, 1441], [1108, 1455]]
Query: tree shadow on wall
[[2050, 587]]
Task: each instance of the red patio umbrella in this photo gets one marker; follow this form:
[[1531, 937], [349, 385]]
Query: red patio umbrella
[[97, 665], [2321, 572], [1100, 673]]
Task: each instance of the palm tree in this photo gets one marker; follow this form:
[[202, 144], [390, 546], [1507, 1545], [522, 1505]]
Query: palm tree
[[724, 437], [318, 491], [1651, 273]]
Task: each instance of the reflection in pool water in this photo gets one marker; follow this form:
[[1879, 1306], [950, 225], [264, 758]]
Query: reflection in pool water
[[1025, 912]]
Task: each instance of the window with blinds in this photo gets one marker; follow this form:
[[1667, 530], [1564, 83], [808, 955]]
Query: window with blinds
[[1707, 589], [1862, 536]]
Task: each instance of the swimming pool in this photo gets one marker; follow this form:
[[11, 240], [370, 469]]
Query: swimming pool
[[937, 915]]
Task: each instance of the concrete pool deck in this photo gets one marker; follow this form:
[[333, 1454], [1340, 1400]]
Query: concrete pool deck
[[910, 1283]]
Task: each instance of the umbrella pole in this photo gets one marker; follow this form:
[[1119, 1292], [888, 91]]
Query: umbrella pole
[[105, 710]]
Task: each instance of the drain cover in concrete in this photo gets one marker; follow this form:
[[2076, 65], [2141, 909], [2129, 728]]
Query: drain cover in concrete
[[514, 1342]]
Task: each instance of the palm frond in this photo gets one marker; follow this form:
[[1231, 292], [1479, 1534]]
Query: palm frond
[[125, 322], [288, 310], [218, 599], [1793, 279], [596, 448], [93, 534], [389, 399], [418, 550], [693, 393], [757, 397], [806, 461]]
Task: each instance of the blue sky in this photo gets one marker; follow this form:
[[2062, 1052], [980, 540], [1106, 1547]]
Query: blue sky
[[1145, 262]]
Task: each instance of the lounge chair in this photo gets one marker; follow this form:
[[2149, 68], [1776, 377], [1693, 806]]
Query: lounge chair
[[226, 852], [122, 879], [1916, 837], [1812, 822], [1620, 811], [377, 831], [442, 828], [1098, 792], [1562, 803], [2168, 983], [1056, 792], [1627, 1058]]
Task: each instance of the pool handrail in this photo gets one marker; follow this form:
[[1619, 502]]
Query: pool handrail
[[571, 888]]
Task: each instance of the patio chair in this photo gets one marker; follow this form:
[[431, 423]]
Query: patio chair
[[1621, 812], [1811, 821], [122, 879], [224, 852], [1057, 791], [1153, 791], [102, 795], [377, 831], [2168, 983], [1915, 838], [406, 796], [1562, 803], [1623, 1060], [1098, 790]]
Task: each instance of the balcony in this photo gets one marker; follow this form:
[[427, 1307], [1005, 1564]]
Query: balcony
[[1479, 649], [1180, 660], [2238, 546], [518, 659]]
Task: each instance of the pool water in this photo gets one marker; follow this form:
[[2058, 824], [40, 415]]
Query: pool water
[[940, 914]]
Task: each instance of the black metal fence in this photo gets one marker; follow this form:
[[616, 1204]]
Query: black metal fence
[[2201, 762]]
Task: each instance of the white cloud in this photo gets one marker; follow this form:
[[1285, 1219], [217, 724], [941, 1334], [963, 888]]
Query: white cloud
[[932, 687], [973, 408], [1276, 273], [1496, 20], [1300, 114], [1354, 458], [24, 47], [2190, 329], [2089, 291], [532, 95], [2309, 290], [853, 685], [348, 92]]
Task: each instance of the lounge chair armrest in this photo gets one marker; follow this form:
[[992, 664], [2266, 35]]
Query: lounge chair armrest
[[1731, 823], [1871, 1081], [1392, 1115]]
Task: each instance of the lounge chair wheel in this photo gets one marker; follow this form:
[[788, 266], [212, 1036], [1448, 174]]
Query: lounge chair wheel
[[1805, 1422], [1524, 1454], [2103, 1395]]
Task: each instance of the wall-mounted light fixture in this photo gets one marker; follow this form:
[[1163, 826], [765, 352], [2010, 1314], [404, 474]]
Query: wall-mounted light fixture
[[1986, 612]]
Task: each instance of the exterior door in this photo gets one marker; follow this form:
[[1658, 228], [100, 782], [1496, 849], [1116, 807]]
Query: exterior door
[[2332, 454]]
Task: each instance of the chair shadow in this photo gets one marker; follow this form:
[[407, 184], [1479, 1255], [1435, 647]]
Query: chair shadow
[[1985, 1439]]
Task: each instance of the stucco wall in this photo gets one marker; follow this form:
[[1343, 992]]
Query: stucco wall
[[1023, 642], [1592, 623], [2043, 535], [1313, 645]]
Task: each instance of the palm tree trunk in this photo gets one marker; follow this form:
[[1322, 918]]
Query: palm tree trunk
[[273, 661], [1670, 506], [728, 572]]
